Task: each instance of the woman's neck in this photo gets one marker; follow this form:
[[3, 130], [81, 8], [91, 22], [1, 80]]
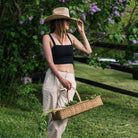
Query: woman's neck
[[61, 37]]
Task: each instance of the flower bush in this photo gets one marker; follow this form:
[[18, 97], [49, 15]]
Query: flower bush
[[22, 28]]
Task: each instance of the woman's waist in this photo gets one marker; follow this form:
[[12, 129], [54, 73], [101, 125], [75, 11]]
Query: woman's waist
[[65, 68]]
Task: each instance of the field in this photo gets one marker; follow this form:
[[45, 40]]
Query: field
[[117, 118]]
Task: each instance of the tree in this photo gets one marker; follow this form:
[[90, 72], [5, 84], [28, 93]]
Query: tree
[[22, 27]]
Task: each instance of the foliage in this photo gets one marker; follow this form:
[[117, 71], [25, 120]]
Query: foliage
[[95, 61], [21, 40], [71, 103], [75, 102], [42, 121], [26, 97]]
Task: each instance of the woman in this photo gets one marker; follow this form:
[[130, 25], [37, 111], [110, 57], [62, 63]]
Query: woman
[[58, 49]]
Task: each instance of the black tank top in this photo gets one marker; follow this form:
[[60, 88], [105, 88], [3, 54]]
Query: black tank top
[[62, 54]]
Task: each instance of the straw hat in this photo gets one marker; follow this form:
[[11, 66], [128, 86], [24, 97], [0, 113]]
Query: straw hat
[[59, 13]]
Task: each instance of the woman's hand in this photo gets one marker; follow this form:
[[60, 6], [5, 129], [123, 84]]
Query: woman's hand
[[80, 25], [67, 84]]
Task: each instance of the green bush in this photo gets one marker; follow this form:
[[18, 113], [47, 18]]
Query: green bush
[[27, 96], [22, 28]]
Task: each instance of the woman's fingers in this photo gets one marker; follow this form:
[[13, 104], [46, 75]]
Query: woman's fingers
[[80, 25], [67, 84], [79, 20]]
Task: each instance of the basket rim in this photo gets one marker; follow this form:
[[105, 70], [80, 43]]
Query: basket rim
[[64, 108]]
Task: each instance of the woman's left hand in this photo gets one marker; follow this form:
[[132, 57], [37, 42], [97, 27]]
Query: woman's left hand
[[80, 25]]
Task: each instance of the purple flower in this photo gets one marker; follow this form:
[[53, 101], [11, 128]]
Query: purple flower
[[137, 42], [83, 16], [117, 3], [115, 8], [94, 3], [71, 31], [122, 14], [98, 9], [92, 13], [62, 1], [90, 6], [136, 61], [98, 24], [111, 15], [41, 21], [129, 62], [42, 32], [87, 1], [116, 13], [108, 67], [77, 8], [21, 22], [42, 54], [96, 67], [26, 79], [120, 1], [30, 18], [111, 21], [123, 36], [134, 41], [122, 7], [71, 12], [106, 33], [93, 10], [128, 11]]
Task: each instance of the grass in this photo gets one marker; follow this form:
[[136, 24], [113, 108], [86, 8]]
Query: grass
[[117, 118], [107, 76]]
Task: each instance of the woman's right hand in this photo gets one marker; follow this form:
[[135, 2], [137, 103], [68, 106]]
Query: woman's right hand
[[67, 84]]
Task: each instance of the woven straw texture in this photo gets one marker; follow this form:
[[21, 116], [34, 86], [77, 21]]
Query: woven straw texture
[[78, 108]]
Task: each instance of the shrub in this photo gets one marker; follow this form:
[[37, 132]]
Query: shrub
[[27, 96]]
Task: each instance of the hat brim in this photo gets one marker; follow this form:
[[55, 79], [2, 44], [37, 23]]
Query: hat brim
[[54, 17]]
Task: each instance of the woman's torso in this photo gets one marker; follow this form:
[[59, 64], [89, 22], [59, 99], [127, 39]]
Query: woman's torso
[[67, 45]]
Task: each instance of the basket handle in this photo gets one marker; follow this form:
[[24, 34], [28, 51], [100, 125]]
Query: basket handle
[[76, 93]]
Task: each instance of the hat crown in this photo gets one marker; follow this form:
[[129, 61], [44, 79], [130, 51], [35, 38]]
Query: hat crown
[[61, 11]]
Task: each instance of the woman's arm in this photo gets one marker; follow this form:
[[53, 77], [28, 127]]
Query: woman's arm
[[48, 54], [85, 47]]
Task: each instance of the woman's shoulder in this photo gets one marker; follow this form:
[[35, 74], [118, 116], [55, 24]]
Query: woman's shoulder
[[46, 36], [71, 35]]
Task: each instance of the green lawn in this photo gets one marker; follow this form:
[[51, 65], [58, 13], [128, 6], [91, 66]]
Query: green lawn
[[107, 76], [117, 118]]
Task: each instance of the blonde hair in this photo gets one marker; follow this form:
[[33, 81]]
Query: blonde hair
[[58, 27]]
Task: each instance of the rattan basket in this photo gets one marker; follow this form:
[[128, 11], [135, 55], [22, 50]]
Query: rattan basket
[[80, 107]]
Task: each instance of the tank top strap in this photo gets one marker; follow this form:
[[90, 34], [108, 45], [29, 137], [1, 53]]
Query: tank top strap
[[52, 39], [69, 38]]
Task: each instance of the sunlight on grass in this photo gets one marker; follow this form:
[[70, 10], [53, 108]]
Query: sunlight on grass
[[107, 76], [117, 118]]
